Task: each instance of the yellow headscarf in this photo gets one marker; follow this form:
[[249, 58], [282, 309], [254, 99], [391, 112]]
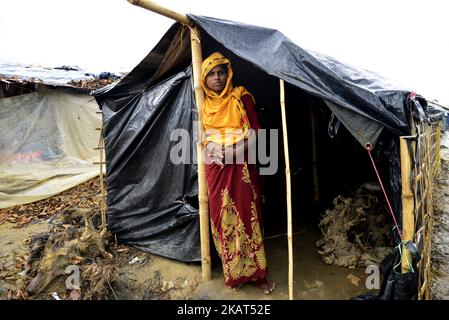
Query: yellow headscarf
[[224, 116]]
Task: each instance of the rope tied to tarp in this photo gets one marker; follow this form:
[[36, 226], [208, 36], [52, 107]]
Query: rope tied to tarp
[[369, 148]]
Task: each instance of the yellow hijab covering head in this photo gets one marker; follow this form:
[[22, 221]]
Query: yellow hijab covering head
[[224, 116]]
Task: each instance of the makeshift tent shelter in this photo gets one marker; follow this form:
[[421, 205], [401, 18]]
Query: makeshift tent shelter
[[47, 132], [151, 200]]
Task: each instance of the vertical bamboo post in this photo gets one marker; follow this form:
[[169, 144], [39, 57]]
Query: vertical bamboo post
[[289, 197], [316, 188], [197, 60], [408, 214], [429, 207]]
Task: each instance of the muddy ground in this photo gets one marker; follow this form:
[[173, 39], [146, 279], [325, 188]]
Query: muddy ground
[[154, 277], [439, 285], [313, 279]]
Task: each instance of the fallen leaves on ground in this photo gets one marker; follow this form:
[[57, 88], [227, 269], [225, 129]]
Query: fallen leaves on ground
[[86, 195]]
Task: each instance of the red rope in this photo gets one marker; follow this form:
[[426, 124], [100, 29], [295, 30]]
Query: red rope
[[385, 193]]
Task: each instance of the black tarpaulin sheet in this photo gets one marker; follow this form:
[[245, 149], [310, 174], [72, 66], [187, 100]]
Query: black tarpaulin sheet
[[171, 55], [366, 131], [363, 92], [148, 195]]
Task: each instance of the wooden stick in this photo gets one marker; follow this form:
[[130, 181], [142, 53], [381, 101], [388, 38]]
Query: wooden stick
[[102, 189], [197, 60], [429, 208], [289, 196], [152, 6], [438, 104], [408, 214], [316, 188]]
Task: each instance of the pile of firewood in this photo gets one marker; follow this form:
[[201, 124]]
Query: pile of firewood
[[74, 240]]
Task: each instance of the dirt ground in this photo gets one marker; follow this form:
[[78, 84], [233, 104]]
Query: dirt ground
[[153, 277], [439, 285], [12, 251]]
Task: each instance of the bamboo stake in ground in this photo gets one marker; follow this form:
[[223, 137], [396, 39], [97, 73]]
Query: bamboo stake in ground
[[102, 190], [197, 60], [152, 6], [408, 214], [289, 197]]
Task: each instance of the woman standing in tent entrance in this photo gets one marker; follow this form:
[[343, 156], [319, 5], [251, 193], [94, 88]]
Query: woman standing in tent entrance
[[234, 199]]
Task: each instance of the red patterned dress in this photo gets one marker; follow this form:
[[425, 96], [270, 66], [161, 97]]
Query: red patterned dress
[[234, 205]]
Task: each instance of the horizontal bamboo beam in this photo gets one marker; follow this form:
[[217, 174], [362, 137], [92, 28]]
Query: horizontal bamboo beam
[[438, 104], [152, 6]]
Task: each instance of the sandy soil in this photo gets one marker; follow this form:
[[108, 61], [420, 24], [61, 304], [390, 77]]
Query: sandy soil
[[12, 251]]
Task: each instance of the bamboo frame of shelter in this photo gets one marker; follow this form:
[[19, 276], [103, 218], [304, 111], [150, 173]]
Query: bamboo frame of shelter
[[102, 163], [420, 165]]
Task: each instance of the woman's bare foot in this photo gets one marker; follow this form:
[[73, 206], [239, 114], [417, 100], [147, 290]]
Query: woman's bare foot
[[267, 287], [236, 288], [264, 285]]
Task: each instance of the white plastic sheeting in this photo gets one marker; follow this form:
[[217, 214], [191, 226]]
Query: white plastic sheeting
[[47, 142]]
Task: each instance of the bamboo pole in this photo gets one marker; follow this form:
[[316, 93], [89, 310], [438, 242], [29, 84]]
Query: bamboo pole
[[423, 191], [102, 190], [152, 6], [197, 60], [438, 104], [408, 214], [289, 197], [316, 188], [429, 208]]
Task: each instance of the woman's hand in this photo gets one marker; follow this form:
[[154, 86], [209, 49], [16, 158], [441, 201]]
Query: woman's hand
[[229, 154], [214, 153]]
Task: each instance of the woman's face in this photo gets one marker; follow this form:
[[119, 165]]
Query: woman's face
[[216, 79]]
